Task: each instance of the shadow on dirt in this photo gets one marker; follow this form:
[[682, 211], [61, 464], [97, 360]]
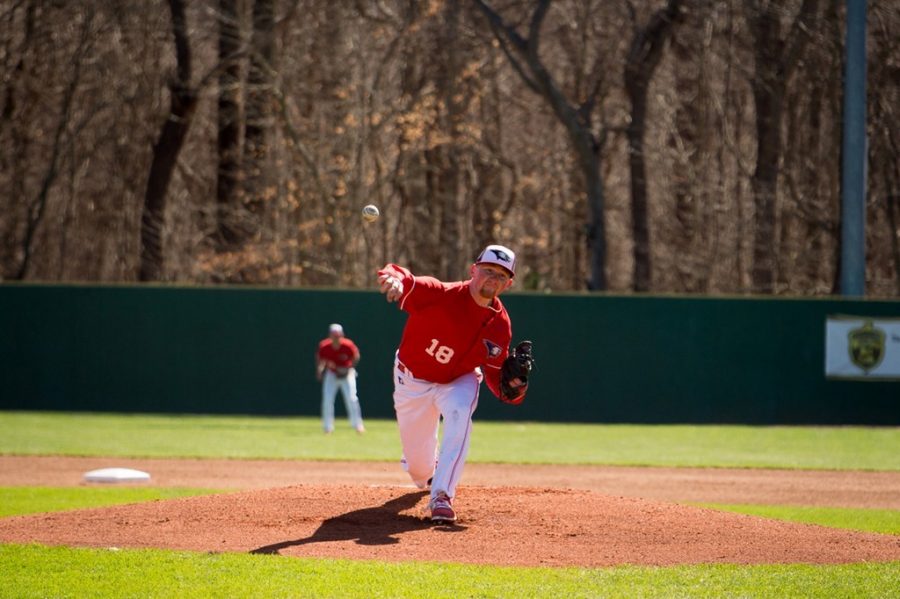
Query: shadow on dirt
[[368, 526]]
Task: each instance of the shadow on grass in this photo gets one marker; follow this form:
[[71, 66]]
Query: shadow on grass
[[368, 526]]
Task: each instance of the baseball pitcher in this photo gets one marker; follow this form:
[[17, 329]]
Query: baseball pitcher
[[456, 336]]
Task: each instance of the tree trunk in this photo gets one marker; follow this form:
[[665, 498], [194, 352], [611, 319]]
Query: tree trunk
[[38, 205], [643, 58], [640, 227], [229, 127], [597, 226], [17, 115], [775, 59], [769, 95], [183, 102], [454, 256], [260, 111]]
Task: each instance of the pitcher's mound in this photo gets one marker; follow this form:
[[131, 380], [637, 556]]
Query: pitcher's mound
[[497, 525]]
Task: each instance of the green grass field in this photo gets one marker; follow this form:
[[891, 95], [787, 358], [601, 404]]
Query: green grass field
[[840, 448], [17, 501], [31, 571], [35, 571], [870, 520]]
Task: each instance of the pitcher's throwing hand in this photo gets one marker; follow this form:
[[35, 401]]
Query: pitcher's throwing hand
[[391, 286]]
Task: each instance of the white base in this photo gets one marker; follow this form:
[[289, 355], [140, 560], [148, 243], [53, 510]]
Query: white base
[[115, 475]]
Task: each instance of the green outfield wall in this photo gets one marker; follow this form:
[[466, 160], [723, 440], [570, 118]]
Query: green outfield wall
[[599, 358]]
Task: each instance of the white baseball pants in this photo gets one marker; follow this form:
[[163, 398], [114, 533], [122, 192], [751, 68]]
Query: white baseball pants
[[419, 405], [331, 384]]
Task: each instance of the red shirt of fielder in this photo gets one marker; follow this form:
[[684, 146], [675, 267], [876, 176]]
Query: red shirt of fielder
[[336, 353], [456, 335]]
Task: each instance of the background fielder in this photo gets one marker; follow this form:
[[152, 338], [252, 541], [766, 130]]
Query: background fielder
[[336, 361], [456, 335]]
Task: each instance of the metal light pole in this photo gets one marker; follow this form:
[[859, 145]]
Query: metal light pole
[[854, 164]]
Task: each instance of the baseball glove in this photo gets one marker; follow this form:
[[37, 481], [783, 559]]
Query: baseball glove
[[518, 365], [341, 372]]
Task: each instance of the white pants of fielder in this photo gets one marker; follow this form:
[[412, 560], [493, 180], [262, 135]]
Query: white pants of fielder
[[331, 384], [419, 405]]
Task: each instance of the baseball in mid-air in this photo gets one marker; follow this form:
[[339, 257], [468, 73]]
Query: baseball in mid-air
[[370, 213]]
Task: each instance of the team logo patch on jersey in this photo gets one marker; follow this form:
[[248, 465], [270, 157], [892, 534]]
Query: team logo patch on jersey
[[493, 349]]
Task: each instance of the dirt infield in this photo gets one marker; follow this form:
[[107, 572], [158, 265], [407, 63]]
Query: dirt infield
[[522, 515]]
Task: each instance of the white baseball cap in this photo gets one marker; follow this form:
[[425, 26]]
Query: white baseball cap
[[499, 255], [335, 329]]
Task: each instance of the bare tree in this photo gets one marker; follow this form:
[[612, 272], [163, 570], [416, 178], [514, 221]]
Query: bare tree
[[643, 58], [260, 102], [38, 205], [777, 54], [229, 126], [690, 230], [884, 146], [182, 104], [13, 119], [704, 160], [523, 54]]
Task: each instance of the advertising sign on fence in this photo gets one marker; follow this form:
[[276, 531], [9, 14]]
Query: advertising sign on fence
[[862, 348]]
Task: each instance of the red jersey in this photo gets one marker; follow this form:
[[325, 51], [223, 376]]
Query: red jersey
[[338, 357], [447, 333]]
